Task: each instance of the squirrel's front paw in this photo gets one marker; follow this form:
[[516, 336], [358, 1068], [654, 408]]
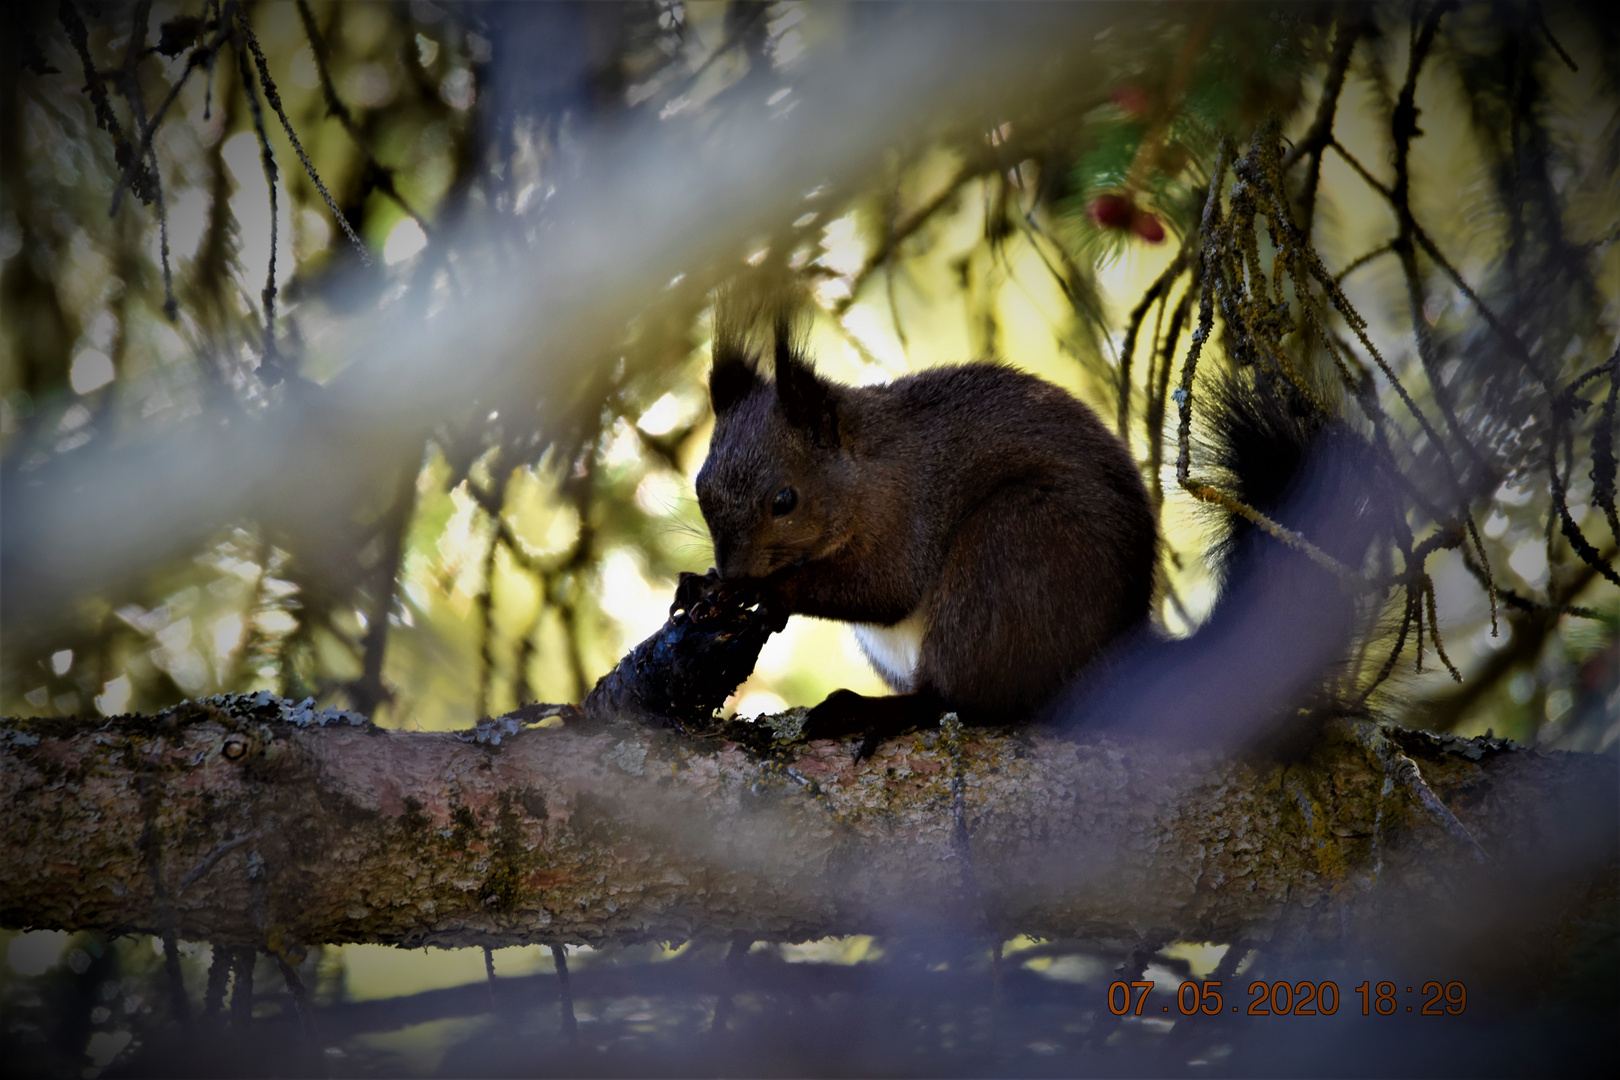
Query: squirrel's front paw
[[847, 713], [874, 718], [839, 715]]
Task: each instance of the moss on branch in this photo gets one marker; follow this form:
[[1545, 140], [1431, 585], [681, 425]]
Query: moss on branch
[[250, 821]]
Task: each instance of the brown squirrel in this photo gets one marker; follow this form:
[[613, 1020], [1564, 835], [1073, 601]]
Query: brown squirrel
[[983, 531]]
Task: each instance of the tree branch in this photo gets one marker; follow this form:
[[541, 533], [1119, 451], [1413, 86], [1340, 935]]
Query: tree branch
[[249, 821]]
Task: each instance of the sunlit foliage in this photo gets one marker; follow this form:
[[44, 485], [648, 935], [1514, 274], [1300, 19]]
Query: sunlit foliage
[[527, 547]]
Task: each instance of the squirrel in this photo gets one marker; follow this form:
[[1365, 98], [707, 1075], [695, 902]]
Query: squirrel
[[983, 531]]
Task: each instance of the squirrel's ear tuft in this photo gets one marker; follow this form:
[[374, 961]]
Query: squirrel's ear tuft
[[806, 400], [732, 377]]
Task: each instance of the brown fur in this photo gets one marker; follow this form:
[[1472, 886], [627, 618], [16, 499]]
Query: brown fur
[[993, 500]]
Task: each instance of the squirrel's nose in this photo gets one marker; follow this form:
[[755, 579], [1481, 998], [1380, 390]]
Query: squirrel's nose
[[725, 558]]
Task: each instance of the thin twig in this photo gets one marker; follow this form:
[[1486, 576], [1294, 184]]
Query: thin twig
[[1316, 138], [902, 231], [300, 996], [1603, 457], [1394, 656], [1068, 279], [565, 994], [892, 212], [1160, 286], [1434, 629], [1524, 603], [1206, 314], [213, 55], [1205, 493], [267, 159], [123, 153], [1485, 566], [219, 973], [1541, 21], [1406, 772], [1358, 263], [274, 98], [242, 985], [214, 856], [137, 110], [369, 691], [1572, 531], [736, 956], [383, 175], [198, 56], [486, 642], [179, 1000], [1160, 392], [1360, 170]]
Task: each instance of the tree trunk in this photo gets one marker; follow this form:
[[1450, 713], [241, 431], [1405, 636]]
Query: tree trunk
[[230, 822]]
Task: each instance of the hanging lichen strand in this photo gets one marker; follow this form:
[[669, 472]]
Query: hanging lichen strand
[[1286, 326], [1262, 332]]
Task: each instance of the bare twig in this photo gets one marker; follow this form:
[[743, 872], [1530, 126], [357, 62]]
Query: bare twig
[[214, 856], [1572, 531], [1434, 629], [1396, 650], [300, 997], [130, 80], [1363, 260], [219, 973], [1405, 772], [383, 175], [1159, 393], [267, 159], [369, 691], [123, 153], [1546, 31], [1154, 292], [903, 230], [274, 98], [202, 54], [1315, 140], [565, 994], [1603, 457], [242, 961]]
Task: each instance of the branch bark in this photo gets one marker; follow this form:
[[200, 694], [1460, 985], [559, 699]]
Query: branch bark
[[229, 822]]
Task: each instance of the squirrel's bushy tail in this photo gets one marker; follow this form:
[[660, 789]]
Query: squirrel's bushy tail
[[1282, 621], [1279, 453]]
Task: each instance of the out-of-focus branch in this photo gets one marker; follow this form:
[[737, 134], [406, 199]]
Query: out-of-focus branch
[[1530, 632], [368, 691], [336, 108], [900, 231], [1316, 139], [659, 203], [229, 823]]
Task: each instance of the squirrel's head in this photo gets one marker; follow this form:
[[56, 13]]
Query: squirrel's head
[[777, 487]]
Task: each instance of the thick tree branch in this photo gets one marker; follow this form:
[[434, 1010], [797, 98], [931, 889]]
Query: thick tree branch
[[227, 822]]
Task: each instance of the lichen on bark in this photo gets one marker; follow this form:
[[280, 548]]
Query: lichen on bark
[[233, 824]]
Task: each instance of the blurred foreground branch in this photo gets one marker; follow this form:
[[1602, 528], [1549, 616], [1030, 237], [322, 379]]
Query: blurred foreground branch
[[665, 209], [233, 824]]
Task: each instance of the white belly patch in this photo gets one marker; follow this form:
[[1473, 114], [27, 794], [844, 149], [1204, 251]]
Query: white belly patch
[[894, 650]]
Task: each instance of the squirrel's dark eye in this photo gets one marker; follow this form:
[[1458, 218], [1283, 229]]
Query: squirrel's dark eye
[[784, 502]]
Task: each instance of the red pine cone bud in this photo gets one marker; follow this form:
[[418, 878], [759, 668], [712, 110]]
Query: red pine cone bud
[[1112, 211], [1148, 227], [1133, 101]]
